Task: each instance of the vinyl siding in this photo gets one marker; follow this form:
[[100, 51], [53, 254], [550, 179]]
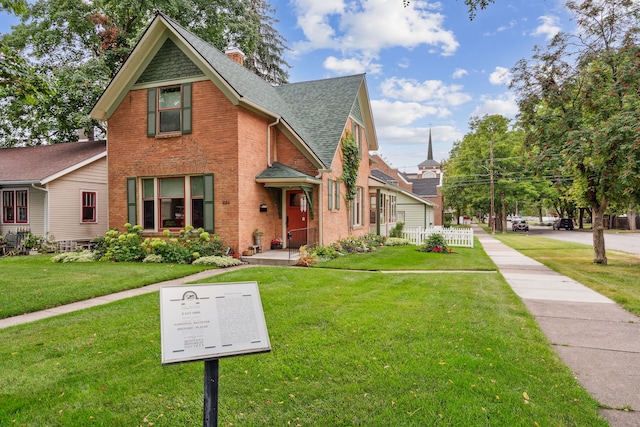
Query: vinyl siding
[[65, 203]]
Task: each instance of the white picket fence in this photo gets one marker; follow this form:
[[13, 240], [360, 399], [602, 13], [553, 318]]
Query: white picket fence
[[453, 236]]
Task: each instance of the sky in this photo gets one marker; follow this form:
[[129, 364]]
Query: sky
[[429, 68]]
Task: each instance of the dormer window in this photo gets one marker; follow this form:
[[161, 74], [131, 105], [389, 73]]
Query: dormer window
[[169, 110]]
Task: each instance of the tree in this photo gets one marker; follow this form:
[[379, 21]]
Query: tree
[[579, 102], [76, 47], [473, 5], [491, 148]]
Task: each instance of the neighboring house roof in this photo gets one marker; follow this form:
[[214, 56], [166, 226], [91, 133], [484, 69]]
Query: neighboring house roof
[[377, 182], [425, 187], [44, 163], [313, 113]]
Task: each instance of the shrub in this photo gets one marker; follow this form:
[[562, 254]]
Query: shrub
[[397, 230], [435, 243], [122, 247], [153, 258], [80, 256], [374, 240], [218, 261], [397, 241]]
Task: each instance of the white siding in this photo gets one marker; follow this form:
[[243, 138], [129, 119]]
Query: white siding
[[65, 203]]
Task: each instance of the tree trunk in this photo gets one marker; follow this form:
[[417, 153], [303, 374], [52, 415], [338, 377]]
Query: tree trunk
[[599, 253], [504, 213], [631, 218]]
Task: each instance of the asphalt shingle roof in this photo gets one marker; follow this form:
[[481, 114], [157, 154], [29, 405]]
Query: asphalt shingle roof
[[33, 164], [316, 110]]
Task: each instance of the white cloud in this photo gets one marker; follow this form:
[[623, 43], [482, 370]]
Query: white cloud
[[370, 26], [387, 113], [431, 91], [459, 73], [351, 66], [549, 27], [500, 76], [504, 105]]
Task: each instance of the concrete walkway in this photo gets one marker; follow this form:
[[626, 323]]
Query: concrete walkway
[[593, 336], [68, 308]]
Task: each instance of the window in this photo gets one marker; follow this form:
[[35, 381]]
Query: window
[[175, 202], [334, 194], [14, 206], [89, 206], [357, 213], [169, 110], [356, 129]]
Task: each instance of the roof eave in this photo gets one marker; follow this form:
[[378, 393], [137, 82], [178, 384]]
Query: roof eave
[[288, 182]]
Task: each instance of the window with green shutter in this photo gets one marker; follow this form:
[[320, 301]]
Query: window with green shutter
[[169, 110]]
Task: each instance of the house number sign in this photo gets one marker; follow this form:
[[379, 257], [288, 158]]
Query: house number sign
[[210, 321]]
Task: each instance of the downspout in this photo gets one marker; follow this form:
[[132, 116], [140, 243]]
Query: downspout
[[269, 140], [46, 211]]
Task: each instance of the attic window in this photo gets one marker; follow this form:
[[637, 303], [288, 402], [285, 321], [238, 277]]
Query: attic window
[[169, 110]]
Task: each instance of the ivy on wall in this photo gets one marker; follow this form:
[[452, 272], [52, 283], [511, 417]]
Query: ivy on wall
[[350, 165]]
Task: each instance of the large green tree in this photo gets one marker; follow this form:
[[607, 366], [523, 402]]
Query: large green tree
[[491, 149], [76, 47], [579, 102]]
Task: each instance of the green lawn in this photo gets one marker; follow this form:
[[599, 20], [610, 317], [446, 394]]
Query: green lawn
[[618, 280], [410, 258], [348, 348], [32, 283]]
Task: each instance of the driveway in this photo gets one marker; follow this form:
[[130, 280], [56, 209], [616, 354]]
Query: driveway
[[621, 241]]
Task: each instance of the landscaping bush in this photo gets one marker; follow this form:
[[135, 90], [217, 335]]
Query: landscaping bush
[[396, 241], [435, 243], [175, 248], [218, 261], [397, 230], [78, 256]]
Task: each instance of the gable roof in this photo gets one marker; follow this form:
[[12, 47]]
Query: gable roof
[[425, 187], [313, 114], [44, 163], [379, 181]]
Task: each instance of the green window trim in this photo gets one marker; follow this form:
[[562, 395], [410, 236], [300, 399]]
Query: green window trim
[[132, 217], [186, 126], [330, 194], [208, 214]]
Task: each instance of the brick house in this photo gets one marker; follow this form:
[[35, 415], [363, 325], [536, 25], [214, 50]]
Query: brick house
[[194, 138]]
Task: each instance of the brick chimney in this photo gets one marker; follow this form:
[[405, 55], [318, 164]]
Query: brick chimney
[[235, 54]]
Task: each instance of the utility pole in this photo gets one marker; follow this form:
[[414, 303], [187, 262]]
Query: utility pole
[[493, 213]]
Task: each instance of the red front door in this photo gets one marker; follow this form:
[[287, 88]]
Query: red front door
[[297, 210]]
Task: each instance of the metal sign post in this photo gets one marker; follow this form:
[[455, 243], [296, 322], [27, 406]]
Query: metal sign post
[[211, 376], [210, 321]]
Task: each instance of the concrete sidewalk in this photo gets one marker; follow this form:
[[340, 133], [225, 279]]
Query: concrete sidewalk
[[68, 308], [592, 335]]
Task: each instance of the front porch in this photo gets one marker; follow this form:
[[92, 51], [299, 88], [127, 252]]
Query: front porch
[[278, 257]]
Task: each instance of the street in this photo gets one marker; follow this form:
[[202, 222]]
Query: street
[[621, 241]]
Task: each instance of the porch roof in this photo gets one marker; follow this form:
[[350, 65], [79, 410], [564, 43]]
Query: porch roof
[[279, 175]]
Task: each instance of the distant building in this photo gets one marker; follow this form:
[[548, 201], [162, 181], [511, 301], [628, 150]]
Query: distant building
[[427, 183]]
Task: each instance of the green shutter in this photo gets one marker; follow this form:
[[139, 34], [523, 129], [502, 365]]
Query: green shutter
[[208, 203], [186, 108], [337, 195], [330, 194], [151, 112], [131, 201]]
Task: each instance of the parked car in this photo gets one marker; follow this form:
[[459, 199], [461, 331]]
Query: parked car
[[519, 225], [566, 223]]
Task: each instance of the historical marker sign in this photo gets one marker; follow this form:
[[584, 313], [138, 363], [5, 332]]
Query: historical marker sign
[[210, 321]]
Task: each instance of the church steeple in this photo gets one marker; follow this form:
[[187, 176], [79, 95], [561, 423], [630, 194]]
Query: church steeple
[[429, 168], [430, 155]]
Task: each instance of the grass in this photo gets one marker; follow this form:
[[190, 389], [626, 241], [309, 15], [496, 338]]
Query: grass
[[32, 283], [348, 348], [410, 258], [618, 280]]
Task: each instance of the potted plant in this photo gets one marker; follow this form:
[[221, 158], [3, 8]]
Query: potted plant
[[257, 237], [32, 243], [276, 243]]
